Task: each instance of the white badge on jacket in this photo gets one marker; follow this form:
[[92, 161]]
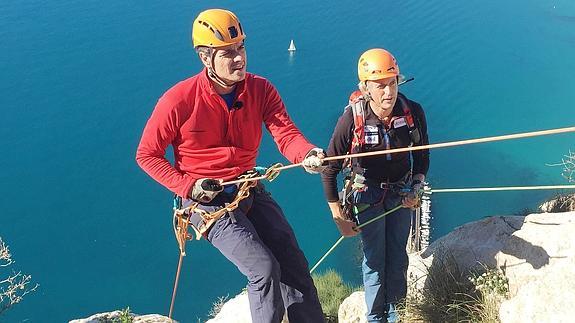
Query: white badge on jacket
[[400, 122], [371, 135]]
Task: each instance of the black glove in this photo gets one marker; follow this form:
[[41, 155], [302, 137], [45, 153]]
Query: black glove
[[205, 189]]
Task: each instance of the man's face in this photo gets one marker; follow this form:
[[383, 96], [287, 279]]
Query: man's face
[[230, 62], [383, 93]]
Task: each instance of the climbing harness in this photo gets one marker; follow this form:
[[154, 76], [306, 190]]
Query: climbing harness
[[354, 180], [182, 224], [358, 106]]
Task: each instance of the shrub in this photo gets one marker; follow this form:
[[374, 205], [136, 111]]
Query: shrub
[[331, 291], [16, 285], [452, 295], [125, 316]]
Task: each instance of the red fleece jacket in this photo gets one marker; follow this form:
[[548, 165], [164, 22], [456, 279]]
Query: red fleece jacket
[[210, 140]]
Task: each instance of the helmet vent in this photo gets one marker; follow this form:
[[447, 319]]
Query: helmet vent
[[218, 35], [233, 32]]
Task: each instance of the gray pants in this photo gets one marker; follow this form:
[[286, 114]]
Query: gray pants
[[257, 238]]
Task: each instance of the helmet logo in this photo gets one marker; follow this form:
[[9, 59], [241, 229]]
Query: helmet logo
[[365, 66], [233, 32]]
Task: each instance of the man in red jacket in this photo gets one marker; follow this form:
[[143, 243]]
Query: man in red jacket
[[214, 121]]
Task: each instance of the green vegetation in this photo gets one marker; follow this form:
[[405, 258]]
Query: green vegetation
[[125, 316], [331, 291], [451, 295]]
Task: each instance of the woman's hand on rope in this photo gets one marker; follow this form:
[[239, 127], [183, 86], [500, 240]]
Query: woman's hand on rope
[[345, 226], [412, 199], [313, 161]]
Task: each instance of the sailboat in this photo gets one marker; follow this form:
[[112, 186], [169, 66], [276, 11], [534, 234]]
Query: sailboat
[[291, 47]]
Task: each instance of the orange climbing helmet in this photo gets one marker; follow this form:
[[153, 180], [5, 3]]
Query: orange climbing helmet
[[376, 64], [217, 28]]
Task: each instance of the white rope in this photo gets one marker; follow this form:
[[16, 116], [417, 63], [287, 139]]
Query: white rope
[[502, 188]]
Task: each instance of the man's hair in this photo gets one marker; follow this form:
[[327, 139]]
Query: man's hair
[[204, 50]]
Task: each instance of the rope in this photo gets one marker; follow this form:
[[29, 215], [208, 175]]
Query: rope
[[343, 237], [176, 284], [327, 253], [270, 174], [457, 143], [503, 188], [431, 146]]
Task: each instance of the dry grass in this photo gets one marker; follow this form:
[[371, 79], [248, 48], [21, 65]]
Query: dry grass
[[217, 306], [568, 164], [16, 285], [452, 295]]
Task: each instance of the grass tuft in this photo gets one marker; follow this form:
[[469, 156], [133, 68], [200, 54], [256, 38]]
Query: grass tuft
[[331, 290], [453, 295]]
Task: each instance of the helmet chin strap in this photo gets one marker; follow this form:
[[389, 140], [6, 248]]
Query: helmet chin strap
[[212, 72]]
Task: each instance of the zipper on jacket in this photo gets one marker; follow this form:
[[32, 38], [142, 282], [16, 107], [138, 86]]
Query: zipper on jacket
[[387, 145], [230, 129]]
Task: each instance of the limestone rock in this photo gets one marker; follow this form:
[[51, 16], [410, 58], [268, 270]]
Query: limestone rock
[[353, 309], [550, 298], [236, 310], [537, 253], [115, 315]]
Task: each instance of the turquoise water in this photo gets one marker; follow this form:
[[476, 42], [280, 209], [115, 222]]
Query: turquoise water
[[79, 80]]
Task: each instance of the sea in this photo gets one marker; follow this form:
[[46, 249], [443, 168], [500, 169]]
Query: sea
[[79, 79]]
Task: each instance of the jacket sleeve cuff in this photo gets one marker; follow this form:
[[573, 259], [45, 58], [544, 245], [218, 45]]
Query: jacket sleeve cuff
[[185, 191]]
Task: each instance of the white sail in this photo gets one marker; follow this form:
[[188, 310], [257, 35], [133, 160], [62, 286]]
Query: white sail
[[291, 47]]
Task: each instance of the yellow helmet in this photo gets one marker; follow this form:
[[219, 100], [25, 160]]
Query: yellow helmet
[[376, 64], [217, 28]]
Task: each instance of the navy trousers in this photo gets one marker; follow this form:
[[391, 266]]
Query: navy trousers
[[259, 241]]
